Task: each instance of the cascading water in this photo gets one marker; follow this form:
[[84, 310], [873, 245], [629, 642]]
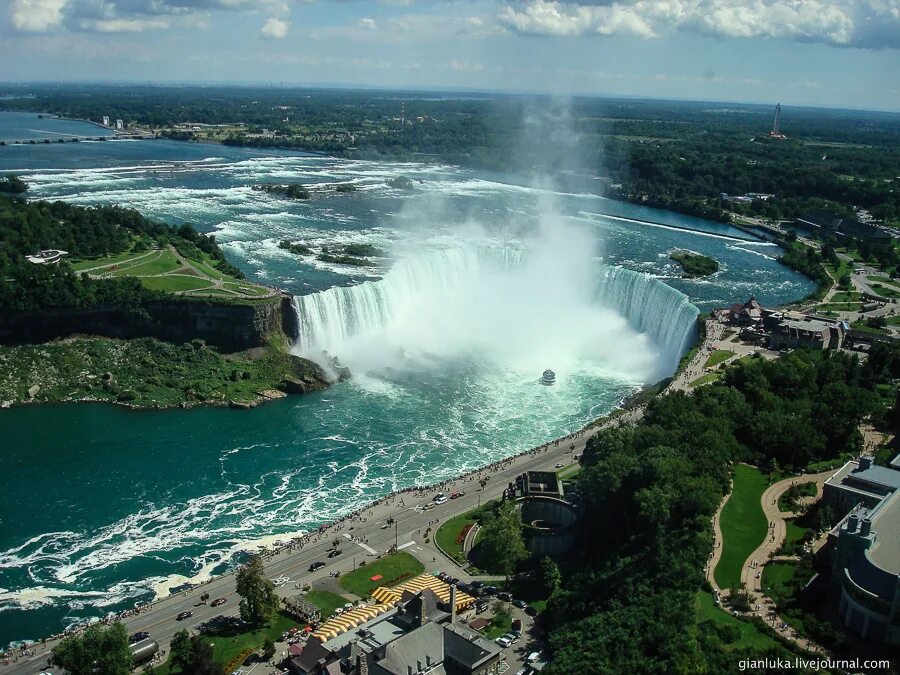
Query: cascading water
[[448, 292]]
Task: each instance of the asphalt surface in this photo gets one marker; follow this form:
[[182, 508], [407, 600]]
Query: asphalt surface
[[408, 531]]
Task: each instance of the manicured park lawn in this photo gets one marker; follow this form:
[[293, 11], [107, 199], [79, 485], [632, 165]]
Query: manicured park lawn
[[705, 379], [718, 357], [175, 282], [750, 635], [390, 567], [774, 577], [109, 260], [448, 532], [743, 524], [159, 263], [227, 648], [326, 601]]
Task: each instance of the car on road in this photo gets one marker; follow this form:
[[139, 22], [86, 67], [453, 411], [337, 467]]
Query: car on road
[[184, 615], [489, 590], [137, 637], [506, 597], [218, 602], [457, 495], [559, 465], [503, 641], [521, 604], [316, 566], [440, 499], [335, 553]]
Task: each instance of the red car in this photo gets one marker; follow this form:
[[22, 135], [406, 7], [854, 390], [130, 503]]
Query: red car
[[218, 602]]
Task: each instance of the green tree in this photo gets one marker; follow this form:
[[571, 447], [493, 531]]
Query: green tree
[[100, 650], [181, 650], [502, 545], [202, 660], [550, 575], [258, 599]]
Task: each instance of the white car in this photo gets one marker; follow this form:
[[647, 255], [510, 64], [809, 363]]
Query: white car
[[440, 499], [503, 641]]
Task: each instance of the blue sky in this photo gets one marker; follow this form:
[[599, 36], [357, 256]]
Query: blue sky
[[801, 52]]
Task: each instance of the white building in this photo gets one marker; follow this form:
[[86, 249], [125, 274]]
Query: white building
[[119, 125], [106, 120]]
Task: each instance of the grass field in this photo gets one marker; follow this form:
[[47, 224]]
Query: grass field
[[807, 489], [794, 534], [718, 357], [705, 379], [326, 601], [774, 577], [448, 532], [160, 262], [886, 291], [750, 635], [175, 282], [80, 265], [227, 648], [389, 567], [743, 524]]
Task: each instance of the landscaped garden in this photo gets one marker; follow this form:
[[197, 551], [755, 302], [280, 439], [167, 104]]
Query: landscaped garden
[[743, 524], [390, 570]]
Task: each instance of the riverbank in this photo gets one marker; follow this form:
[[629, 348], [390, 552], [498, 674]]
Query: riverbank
[[144, 373]]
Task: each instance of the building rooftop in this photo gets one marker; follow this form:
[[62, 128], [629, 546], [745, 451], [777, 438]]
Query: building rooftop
[[885, 551]]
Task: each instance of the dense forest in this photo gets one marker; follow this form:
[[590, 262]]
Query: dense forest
[[650, 492], [678, 155], [83, 232]]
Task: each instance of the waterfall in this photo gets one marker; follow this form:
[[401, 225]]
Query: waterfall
[[420, 285], [651, 307]]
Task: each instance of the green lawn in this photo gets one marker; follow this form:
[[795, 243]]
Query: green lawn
[[705, 379], [774, 577], [839, 307], [108, 260], [794, 534], [175, 282], [227, 648], [718, 357], [846, 296], [248, 289], [499, 626], [743, 524], [866, 328], [893, 320], [886, 291], [447, 533], [389, 567], [750, 635], [807, 489], [161, 263], [326, 601]]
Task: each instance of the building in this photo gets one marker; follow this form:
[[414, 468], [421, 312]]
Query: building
[[420, 635], [749, 313], [866, 571], [860, 482], [106, 120], [119, 125], [51, 256], [787, 330], [831, 223]]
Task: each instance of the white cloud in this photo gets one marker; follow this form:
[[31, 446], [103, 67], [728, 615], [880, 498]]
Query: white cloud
[[36, 16], [850, 23], [274, 29], [368, 23]]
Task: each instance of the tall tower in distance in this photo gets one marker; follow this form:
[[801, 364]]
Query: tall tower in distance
[[776, 127]]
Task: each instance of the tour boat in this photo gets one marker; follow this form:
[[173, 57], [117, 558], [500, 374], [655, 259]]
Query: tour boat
[[549, 377]]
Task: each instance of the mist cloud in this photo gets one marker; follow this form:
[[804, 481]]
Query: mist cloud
[[842, 23]]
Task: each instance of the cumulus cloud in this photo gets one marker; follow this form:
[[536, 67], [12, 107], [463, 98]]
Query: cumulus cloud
[[367, 23], [846, 23], [274, 29], [36, 16], [131, 16]]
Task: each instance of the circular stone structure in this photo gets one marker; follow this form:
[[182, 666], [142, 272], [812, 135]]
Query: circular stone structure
[[549, 524]]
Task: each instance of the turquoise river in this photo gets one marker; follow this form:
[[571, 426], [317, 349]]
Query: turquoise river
[[488, 281]]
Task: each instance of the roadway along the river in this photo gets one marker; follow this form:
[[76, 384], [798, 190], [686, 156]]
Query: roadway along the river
[[411, 521]]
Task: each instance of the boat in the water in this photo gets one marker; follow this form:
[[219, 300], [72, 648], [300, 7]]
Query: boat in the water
[[548, 378]]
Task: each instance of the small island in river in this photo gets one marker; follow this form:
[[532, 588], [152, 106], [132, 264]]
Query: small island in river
[[695, 265]]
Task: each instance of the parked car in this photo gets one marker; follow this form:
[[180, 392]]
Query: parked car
[[316, 566], [184, 615], [503, 641], [137, 637], [532, 657], [489, 590], [521, 604], [477, 584], [218, 602], [531, 611], [480, 606], [335, 553], [514, 636], [506, 597]]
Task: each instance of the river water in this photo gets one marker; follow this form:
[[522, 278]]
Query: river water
[[487, 281]]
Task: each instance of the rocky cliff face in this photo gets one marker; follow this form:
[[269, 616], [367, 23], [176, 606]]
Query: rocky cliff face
[[230, 327]]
